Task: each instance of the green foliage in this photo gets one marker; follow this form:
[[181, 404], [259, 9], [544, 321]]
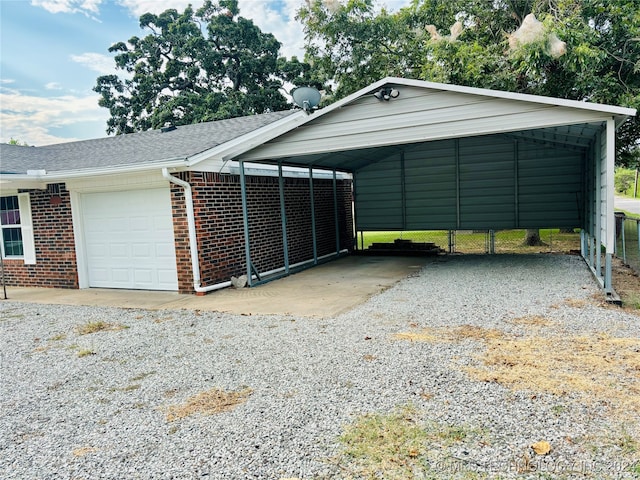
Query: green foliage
[[196, 66], [14, 141], [351, 45], [624, 179]]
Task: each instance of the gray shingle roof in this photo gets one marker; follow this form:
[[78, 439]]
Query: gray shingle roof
[[132, 149]]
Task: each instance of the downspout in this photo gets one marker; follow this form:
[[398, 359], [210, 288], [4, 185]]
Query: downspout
[[193, 243]]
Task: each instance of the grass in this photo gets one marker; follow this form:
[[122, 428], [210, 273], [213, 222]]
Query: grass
[[208, 403], [85, 352], [398, 445], [506, 241], [98, 326]]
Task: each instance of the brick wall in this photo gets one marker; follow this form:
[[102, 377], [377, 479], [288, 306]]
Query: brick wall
[[218, 212], [54, 243]]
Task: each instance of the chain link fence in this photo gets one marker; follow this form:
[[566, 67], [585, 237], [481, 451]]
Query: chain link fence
[[627, 234], [478, 241]]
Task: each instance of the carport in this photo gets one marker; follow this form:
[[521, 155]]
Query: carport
[[429, 156]]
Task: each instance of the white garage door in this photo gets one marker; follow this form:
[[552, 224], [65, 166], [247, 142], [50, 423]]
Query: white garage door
[[129, 239]]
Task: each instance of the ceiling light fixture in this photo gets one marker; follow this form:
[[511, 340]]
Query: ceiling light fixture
[[386, 93]]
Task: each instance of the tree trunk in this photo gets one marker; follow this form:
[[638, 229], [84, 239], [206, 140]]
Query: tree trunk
[[532, 238]]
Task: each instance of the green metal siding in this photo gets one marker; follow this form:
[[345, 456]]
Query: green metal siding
[[490, 182]]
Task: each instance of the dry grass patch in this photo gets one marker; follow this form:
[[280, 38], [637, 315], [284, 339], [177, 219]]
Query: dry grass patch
[[450, 334], [85, 352], [208, 403], [98, 326], [82, 451], [599, 366], [532, 321]]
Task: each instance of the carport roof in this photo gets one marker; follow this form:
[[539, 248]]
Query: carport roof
[[361, 129]]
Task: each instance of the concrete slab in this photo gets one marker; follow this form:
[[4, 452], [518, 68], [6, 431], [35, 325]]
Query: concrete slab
[[322, 291]]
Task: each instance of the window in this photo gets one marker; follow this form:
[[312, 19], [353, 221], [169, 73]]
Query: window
[[11, 233], [17, 231]]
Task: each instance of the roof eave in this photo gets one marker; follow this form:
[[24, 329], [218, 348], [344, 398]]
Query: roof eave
[[63, 175], [612, 109], [255, 138]]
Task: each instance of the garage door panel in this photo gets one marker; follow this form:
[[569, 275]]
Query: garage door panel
[[141, 251], [129, 239]]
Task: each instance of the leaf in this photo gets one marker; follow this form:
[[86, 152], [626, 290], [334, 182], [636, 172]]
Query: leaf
[[542, 447]]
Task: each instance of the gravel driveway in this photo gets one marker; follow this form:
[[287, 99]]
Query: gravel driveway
[[94, 406]]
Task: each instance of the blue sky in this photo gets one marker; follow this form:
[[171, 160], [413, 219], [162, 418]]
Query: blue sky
[[52, 51]]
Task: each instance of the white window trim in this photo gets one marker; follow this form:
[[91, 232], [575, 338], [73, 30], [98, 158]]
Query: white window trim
[[26, 228]]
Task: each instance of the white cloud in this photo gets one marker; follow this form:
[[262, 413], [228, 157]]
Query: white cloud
[[281, 23], [138, 7], [274, 16], [33, 119], [264, 13], [53, 86], [86, 7], [103, 64], [6, 81]]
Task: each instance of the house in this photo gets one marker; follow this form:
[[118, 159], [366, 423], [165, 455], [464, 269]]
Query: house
[[185, 208]]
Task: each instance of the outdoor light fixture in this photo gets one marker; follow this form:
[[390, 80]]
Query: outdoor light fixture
[[386, 93], [306, 98], [54, 193]]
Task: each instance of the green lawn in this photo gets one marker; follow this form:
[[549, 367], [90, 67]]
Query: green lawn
[[466, 241]]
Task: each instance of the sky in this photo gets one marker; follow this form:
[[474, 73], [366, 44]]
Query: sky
[[52, 52]]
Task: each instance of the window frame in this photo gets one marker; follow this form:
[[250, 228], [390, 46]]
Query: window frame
[[26, 230]]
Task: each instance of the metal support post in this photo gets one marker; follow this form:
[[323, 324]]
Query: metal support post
[[313, 217], [456, 143], [335, 211], [283, 219], [245, 221], [608, 288], [624, 244]]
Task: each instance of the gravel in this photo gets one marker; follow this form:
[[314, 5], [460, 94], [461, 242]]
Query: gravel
[[103, 415]]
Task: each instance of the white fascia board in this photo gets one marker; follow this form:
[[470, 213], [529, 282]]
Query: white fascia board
[[63, 175], [524, 97], [255, 138], [269, 170]]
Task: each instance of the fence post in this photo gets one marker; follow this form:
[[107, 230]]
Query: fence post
[[624, 246]]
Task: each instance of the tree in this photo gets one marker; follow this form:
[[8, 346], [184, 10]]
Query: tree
[[588, 50], [14, 141], [195, 66]]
